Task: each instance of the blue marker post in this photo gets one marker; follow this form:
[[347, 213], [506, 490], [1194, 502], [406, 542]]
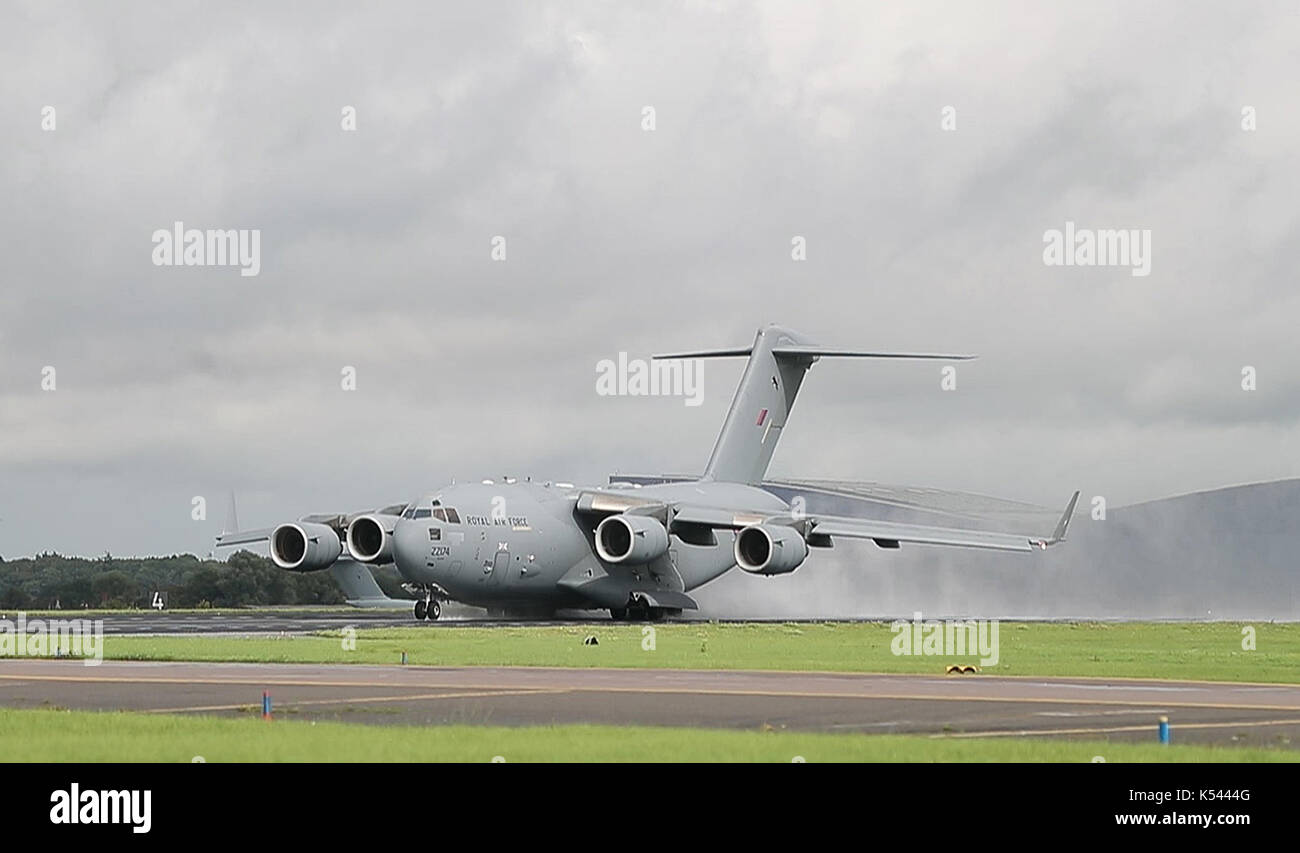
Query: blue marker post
[[1164, 730], [266, 704]]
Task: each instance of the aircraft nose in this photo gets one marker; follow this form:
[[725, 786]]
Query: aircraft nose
[[406, 545]]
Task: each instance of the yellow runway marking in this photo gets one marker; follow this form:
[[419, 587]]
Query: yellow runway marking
[[293, 703], [924, 697], [1152, 679]]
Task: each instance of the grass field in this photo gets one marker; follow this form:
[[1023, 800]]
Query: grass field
[[1210, 651], [86, 736]]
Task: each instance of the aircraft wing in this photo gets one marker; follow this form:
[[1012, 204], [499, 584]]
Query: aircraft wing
[[244, 537], [232, 535], [338, 521], [916, 504], [886, 534]]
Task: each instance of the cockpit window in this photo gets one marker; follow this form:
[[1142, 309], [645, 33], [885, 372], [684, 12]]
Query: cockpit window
[[438, 512]]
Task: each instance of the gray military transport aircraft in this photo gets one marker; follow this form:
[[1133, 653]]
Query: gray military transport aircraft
[[636, 550]]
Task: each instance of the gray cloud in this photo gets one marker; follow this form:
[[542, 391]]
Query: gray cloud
[[523, 120]]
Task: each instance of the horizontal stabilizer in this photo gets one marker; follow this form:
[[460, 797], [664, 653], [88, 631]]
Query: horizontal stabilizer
[[734, 352], [809, 352], [831, 352]]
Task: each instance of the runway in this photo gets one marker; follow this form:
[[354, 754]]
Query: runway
[[303, 620], [146, 622], [954, 706]]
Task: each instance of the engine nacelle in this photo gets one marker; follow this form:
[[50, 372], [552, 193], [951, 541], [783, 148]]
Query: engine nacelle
[[766, 549], [631, 539], [370, 538], [304, 546]]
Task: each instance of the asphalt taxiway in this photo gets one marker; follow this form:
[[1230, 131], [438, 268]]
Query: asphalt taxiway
[[951, 706]]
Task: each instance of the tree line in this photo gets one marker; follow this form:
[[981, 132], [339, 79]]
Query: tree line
[[50, 581]]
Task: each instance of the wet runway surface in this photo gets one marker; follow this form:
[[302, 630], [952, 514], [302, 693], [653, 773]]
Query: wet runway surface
[[954, 706], [146, 622], [308, 619]]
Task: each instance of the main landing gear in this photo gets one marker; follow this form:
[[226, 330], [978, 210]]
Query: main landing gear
[[427, 608], [639, 610]]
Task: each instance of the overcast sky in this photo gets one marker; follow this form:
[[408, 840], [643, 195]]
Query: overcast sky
[[527, 121]]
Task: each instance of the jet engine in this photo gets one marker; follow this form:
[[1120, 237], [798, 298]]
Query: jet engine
[[370, 538], [765, 549], [631, 539], [305, 546]]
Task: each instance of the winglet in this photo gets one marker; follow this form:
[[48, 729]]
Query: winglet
[[1058, 535]]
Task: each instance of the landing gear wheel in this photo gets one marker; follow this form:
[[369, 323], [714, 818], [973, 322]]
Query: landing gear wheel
[[618, 614], [434, 610], [421, 608]]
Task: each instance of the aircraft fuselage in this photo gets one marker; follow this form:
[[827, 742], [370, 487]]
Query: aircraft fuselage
[[523, 544]]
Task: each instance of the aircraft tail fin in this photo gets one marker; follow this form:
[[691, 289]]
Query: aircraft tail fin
[[778, 360]]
